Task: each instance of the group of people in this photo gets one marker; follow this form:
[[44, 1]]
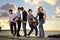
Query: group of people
[[22, 16]]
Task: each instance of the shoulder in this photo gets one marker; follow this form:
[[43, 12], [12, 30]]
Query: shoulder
[[25, 11], [9, 14], [32, 15], [16, 13], [38, 13], [44, 13], [13, 13]]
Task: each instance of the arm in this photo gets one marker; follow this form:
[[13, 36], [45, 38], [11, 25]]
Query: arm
[[26, 16], [16, 16], [44, 16], [37, 15], [9, 19]]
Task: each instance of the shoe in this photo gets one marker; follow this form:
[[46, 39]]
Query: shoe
[[28, 36], [25, 36], [14, 34], [36, 36], [41, 37], [18, 35]]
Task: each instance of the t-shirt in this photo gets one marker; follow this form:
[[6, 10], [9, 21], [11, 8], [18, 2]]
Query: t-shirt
[[11, 17], [40, 15], [30, 18]]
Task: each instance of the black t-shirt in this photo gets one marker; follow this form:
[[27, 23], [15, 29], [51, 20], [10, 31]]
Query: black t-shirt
[[40, 15]]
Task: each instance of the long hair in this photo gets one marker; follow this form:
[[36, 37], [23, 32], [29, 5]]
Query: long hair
[[39, 9]]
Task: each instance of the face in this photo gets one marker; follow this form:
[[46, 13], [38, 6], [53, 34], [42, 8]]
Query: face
[[19, 10], [30, 12], [22, 9], [40, 9], [11, 12]]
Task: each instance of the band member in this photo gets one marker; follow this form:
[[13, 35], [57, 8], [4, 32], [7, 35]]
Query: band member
[[12, 22], [24, 18], [18, 20], [32, 23], [42, 18]]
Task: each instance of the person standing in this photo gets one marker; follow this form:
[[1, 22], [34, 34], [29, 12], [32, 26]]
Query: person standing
[[18, 20], [24, 18], [32, 23], [42, 18], [12, 22]]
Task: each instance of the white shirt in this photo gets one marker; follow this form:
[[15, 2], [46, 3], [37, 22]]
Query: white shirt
[[21, 15]]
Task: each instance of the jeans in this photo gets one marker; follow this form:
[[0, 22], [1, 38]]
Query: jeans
[[19, 27], [13, 25], [33, 27], [41, 30], [24, 29]]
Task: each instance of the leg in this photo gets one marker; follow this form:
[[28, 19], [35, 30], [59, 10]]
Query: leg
[[36, 30], [11, 27], [19, 26], [31, 26], [24, 28], [14, 28], [41, 30]]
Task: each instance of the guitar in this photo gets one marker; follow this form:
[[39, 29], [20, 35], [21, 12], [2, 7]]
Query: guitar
[[35, 22]]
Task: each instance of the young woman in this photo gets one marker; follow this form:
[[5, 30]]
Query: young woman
[[32, 22], [42, 18], [12, 21]]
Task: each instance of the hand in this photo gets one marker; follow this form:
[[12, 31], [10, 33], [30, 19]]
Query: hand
[[17, 19], [34, 20], [42, 11], [44, 21]]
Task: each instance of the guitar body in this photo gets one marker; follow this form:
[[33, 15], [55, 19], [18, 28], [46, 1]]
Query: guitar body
[[35, 22]]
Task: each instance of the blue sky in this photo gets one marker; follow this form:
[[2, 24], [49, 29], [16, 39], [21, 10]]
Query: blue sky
[[51, 7]]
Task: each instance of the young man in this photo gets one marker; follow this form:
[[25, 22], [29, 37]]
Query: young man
[[12, 21], [18, 19], [32, 23], [24, 18]]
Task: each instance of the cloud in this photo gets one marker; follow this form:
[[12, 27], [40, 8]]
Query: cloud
[[33, 2], [7, 6], [36, 2], [52, 2], [3, 14], [57, 12], [57, 9], [57, 16]]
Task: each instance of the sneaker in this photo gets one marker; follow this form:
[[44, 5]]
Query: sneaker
[[28, 36], [36, 36], [18, 36]]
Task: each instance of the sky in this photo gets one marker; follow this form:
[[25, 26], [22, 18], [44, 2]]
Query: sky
[[51, 8]]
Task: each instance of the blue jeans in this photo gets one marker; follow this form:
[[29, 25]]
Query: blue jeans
[[41, 30], [24, 29]]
